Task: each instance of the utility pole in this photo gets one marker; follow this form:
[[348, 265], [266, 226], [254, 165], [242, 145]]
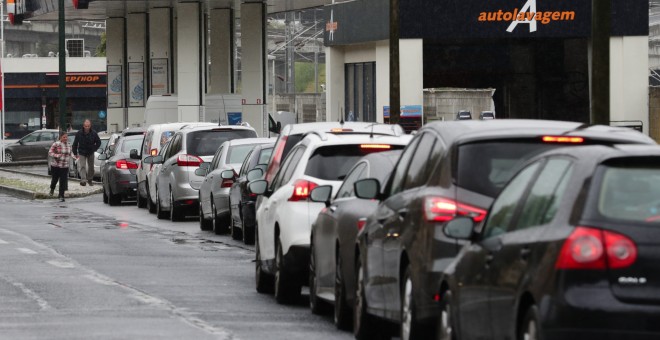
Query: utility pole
[[62, 60], [395, 80], [601, 19]]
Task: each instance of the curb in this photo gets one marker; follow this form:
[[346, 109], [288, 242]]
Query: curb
[[20, 193]]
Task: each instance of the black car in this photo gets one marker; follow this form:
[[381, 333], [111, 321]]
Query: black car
[[450, 169], [118, 173], [334, 233], [569, 251], [241, 201]]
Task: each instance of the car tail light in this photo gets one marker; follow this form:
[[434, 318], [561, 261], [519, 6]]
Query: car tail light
[[376, 146], [440, 209], [301, 190], [361, 223], [277, 157], [563, 139], [154, 152], [188, 160], [590, 248], [227, 182], [336, 130], [124, 164]]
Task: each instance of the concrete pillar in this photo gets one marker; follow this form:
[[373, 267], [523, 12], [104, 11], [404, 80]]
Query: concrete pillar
[[253, 35], [629, 68], [136, 52], [411, 61], [382, 78], [190, 49], [335, 83], [222, 48], [115, 56], [160, 51]]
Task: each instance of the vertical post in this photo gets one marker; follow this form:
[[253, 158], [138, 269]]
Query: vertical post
[[2, 74], [62, 60], [600, 67], [395, 80]]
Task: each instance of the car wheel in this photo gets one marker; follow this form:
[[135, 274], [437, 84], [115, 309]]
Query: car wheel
[[150, 204], [263, 280], [342, 315], [365, 326], [175, 212], [218, 228], [445, 321], [248, 231], [159, 207], [113, 199], [204, 224], [530, 329], [317, 305], [410, 328], [236, 233], [105, 195], [9, 157], [287, 290], [141, 201]]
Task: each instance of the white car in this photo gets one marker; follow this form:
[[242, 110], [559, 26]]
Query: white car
[[285, 215]]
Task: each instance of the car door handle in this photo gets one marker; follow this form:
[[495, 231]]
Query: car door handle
[[524, 253], [402, 213]]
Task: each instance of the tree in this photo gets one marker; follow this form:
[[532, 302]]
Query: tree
[[100, 49]]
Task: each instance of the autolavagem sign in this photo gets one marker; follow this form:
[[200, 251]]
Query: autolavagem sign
[[527, 15]]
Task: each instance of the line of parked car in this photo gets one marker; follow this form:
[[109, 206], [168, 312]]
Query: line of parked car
[[501, 229]]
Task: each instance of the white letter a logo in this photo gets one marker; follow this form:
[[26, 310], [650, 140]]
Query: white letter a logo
[[527, 13]]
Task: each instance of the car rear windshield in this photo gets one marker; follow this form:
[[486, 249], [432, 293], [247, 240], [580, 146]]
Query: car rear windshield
[[207, 142], [630, 192], [130, 144], [333, 162], [486, 167], [237, 153]]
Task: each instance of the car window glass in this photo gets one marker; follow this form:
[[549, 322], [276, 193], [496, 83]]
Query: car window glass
[[288, 167], [630, 191], [104, 143], [215, 163], [175, 147], [206, 142], [238, 153], [420, 166], [130, 144], [165, 136], [146, 144], [245, 165], [544, 195], [346, 189], [31, 137], [264, 156], [504, 207], [401, 169]]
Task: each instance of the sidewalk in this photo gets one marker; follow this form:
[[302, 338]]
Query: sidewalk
[[31, 186]]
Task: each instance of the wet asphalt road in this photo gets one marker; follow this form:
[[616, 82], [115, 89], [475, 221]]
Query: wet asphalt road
[[82, 269]]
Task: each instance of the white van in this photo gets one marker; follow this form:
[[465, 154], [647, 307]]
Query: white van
[[155, 137], [218, 107]]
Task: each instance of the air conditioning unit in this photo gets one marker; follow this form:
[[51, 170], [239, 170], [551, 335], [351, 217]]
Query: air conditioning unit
[[75, 47]]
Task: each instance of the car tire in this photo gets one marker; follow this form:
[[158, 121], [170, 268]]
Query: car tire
[[159, 207], [445, 319], [248, 231], [365, 326], [236, 233], [287, 290], [150, 204], [530, 328], [204, 224], [175, 212], [141, 201], [113, 199], [218, 228], [342, 314], [264, 281], [316, 304], [9, 157], [105, 195], [410, 328]]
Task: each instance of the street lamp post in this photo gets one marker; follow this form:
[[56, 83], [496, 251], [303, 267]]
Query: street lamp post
[[62, 60], [2, 83]]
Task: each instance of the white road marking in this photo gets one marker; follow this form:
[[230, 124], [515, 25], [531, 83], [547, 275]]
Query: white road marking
[[27, 251], [61, 264], [28, 292]]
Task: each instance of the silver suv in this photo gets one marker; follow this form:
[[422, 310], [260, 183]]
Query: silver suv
[[177, 184]]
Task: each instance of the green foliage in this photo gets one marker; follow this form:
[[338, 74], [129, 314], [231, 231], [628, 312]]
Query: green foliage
[[100, 49], [305, 81]]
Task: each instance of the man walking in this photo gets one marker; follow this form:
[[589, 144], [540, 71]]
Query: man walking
[[86, 143]]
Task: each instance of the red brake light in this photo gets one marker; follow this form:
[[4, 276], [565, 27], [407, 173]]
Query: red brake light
[[123, 164], [227, 183], [154, 152], [361, 223], [590, 248], [301, 190], [375, 146], [188, 160], [440, 209], [341, 130], [562, 139]]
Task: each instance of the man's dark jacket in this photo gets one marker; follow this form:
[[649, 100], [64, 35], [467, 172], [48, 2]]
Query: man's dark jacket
[[86, 143]]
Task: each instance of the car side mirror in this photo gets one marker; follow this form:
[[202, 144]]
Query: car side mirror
[[460, 228], [21, 142], [157, 159], [134, 154], [228, 174], [321, 194], [146, 160], [200, 172], [368, 188], [258, 187], [103, 157], [205, 166], [254, 174]]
